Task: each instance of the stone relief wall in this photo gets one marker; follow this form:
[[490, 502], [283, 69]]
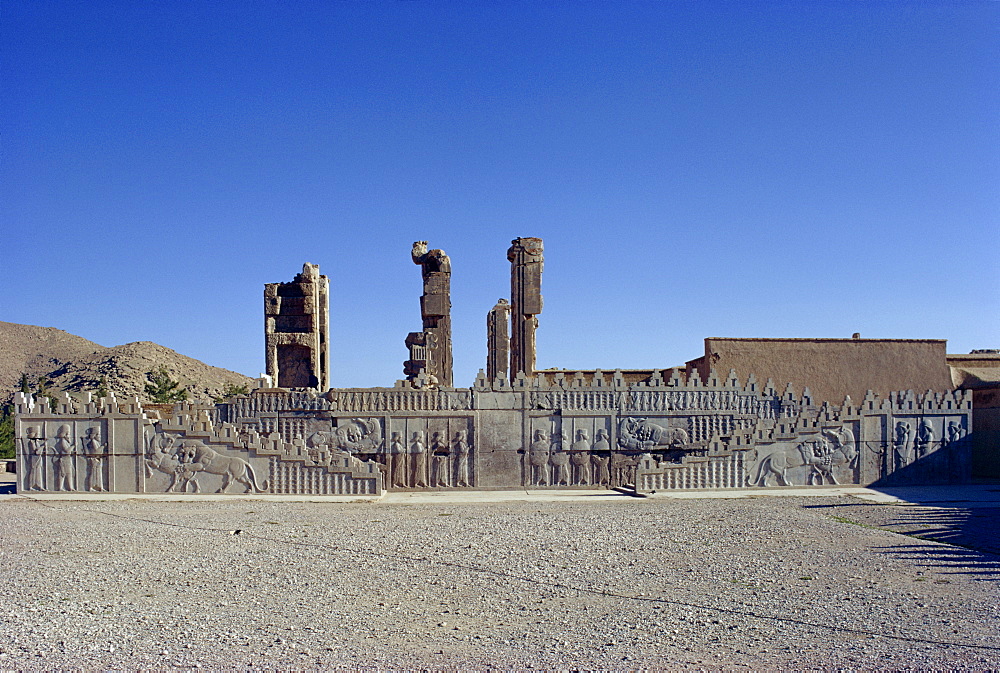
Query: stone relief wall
[[532, 432], [107, 445]]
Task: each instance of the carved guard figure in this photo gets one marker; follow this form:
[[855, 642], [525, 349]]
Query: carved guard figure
[[461, 446], [33, 446], [902, 444], [580, 458], [65, 459], [397, 461], [925, 438], [419, 453], [94, 452], [440, 452], [538, 459]]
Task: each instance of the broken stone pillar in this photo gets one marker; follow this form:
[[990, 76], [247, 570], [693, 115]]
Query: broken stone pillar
[[430, 350], [497, 341], [525, 255], [297, 330]]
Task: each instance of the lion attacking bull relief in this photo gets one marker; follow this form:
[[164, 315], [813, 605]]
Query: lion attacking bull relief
[[184, 460], [360, 435], [641, 434], [816, 461]]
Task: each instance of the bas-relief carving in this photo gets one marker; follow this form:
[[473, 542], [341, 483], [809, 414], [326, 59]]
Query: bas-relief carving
[[33, 446], [429, 452], [359, 435], [600, 459], [925, 438], [926, 448], [440, 452], [463, 475], [955, 432], [641, 434], [418, 456], [432, 450], [816, 461], [559, 459], [580, 458], [902, 444], [185, 460], [623, 467], [538, 459], [196, 458], [396, 462], [161, 456], [94, 451], [561, 453], [602, 472], [65, 459]]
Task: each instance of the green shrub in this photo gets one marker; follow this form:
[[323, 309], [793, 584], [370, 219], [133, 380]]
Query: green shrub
[[162, 389]]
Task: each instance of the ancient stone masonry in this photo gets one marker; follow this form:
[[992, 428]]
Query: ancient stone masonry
[[497, 340], [430, 349], [525, 256], [297, 330], [643, 430], [91, 445]]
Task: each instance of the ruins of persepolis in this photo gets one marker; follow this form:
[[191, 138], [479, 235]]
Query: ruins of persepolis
[[686, 427], [525, 255], [297, 330]]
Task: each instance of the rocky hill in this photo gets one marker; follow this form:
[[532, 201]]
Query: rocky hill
[[74, 364]]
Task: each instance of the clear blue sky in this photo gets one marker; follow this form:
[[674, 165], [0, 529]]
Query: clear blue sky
[[696, 169]]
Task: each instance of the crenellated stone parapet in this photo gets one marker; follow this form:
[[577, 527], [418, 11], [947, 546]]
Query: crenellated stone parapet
[[110, 445]]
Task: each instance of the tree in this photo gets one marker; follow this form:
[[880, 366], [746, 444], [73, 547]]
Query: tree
[[25, 386], [43, 391], [102, 387], [7, 431], [162, 389], [230, 390]]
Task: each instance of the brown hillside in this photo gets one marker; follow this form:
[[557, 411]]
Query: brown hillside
[[76, 365]]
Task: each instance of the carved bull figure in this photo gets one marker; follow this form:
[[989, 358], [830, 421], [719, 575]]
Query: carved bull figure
[[361, 435], [195, 457], [821, 456], [641, 434]]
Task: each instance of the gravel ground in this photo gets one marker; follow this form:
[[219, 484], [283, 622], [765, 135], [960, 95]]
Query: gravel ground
[[765, 583]]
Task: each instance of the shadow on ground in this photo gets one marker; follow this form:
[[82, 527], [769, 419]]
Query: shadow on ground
[[972, 531]]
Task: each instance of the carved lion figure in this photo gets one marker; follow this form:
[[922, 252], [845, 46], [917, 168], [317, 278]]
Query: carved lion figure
[[197, 457], [636, 434], [361, 435]]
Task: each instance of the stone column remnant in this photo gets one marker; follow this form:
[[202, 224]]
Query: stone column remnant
[[525, 255], [497, 341], [430, 350], [297, 330]]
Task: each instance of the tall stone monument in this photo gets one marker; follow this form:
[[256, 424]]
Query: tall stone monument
[[430, 349], [525, 255], [297, 330], [497, 340]]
